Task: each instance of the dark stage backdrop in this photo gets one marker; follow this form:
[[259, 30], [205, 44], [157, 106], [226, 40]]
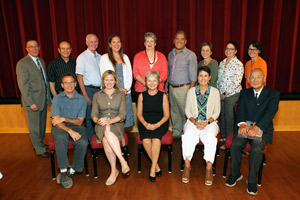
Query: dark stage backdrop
[[274, 23]]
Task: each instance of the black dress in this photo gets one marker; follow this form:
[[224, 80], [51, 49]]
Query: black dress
[[153, 113]]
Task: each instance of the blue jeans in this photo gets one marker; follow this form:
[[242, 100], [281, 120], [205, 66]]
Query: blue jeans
[[61, 140], [88, 120]]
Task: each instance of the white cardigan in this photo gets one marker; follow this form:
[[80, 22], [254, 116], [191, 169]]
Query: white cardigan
[[213, 104], [105, 64]]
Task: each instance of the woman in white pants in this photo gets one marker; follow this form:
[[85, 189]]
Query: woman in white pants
[[202, 110]]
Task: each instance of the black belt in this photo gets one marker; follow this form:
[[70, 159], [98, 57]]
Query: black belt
[[181, 85], [91, 86]]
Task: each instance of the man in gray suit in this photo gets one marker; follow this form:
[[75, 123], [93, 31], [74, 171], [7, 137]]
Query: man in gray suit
[[35, 95]]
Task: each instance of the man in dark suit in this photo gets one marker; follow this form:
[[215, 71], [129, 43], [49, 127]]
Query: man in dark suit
[[35, 95], [257, 107]]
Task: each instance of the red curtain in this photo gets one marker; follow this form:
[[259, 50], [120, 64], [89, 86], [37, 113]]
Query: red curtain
[[274, 23]]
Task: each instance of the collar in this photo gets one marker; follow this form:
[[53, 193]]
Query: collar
[[33, 58], [75, 95], [94, 55], [259, 92], [184, 50]]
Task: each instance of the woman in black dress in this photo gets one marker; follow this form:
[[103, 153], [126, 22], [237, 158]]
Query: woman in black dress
[[153, 115]]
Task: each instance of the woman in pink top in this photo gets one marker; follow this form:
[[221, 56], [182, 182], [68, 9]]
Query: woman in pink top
[[149, 60]]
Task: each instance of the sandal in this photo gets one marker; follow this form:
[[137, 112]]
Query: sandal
[[209, 177], [186, 174]]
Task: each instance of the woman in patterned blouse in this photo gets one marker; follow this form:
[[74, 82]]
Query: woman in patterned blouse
[[230, 76], [202, 110]]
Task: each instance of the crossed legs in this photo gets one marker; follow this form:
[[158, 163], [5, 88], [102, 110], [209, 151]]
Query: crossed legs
[[112, 150]]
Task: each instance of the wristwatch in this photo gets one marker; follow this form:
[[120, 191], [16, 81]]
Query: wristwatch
[[208, 122]]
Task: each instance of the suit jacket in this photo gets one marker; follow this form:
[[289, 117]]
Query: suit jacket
[[261, 111], [31, 83]]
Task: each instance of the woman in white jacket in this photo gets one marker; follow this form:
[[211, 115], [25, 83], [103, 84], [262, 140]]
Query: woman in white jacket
[[119, 62], [202, 110]]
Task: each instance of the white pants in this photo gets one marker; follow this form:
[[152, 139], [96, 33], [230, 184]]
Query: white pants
[[191, 138]]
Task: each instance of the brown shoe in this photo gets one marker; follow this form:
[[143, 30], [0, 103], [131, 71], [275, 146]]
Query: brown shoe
[[209, 177], [44, 155], [186, 174]]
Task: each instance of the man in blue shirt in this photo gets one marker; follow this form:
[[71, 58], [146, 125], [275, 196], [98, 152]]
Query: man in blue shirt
[[68, 112]]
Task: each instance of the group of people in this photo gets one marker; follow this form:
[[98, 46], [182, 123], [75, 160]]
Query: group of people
[[198, 95]]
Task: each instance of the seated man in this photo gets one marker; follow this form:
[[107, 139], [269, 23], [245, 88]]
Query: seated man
[[68, 112], [257, 107]]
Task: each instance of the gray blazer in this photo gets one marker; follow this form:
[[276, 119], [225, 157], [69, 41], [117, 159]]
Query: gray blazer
[[31, 83]]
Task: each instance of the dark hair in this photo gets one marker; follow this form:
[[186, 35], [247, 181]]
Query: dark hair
[[258, 45], [68, 74], [110, 53], [181, 32], [206, 44], [234, 44], [203, 68], [31, 39]]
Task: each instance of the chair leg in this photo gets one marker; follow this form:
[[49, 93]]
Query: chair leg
[[181, 163], [139, 158], [87, 173], [53, 165], [94, 154], [260, 171], [227, 153], [215, 164], [217, 151], [125, 153], [264, 159], [170, 158]]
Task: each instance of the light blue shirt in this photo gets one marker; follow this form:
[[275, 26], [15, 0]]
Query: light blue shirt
[[87, 65], [72, 108]]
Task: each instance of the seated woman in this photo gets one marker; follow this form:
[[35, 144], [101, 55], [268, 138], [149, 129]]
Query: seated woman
[[255, 51], [153, 115], [108, 114], [202, 110]]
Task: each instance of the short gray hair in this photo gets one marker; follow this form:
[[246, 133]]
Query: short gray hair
[[152, 73], [150, 34], [89, 35], [256, 69]]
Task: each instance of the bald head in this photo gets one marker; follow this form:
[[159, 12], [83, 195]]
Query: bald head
[[64, 49]]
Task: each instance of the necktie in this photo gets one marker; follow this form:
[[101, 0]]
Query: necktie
[[256, 96], [41, 70]]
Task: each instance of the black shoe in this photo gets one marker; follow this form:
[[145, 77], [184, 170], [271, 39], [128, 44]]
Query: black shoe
[[231, 181], [152, 179], [252, 189], [158, 174], [44, 155]]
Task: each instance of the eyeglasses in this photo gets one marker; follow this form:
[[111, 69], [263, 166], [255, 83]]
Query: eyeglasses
[[229, 49], [67, 83], [31, 47], [252, 49]]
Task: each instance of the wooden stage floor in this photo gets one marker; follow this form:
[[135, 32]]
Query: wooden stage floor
[[27, 176]]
